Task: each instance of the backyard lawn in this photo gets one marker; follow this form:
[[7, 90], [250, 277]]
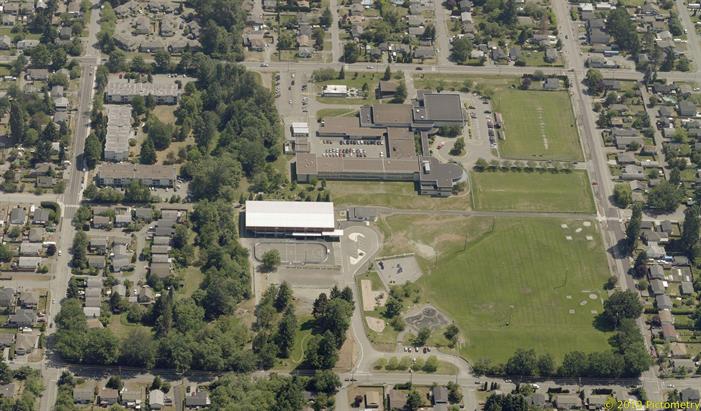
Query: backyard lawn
[[538, 125], [391, 194], [534, 191], [518, 282]]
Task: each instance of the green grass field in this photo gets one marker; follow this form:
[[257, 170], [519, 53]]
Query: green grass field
[[538, 125], [523, 191], [391, 194], [511, 283]]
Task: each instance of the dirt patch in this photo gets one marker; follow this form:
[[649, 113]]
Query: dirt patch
[[425, 250], [375, 324]]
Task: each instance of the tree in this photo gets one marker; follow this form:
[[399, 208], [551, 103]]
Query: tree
[[283, 297], [622, 195], [633, 228], [17, 122], [326, 18], [458, 147], [162, 60], [321, 351], [594, 81], [160, 133], [350, 53], [620, 25], [546, 365], [461, 50], [92, 150], [285, 337], [622, 305], [574, 364], [115, 382], [137, 192], [80, 250], [401, 93], [413, 401], [522, 363], [664, 197], [325, 381], [270, 260], [690, 230], [147, 155], [138, 349], [388, 74], [116, 61], [422, 337]]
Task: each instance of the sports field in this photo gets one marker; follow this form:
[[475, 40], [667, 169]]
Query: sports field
[[534, 191], [521, 283], [538, 125]]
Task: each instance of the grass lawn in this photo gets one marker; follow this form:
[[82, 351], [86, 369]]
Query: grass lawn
[[120, 327], [353, 80], [535, 191], [302, 335], [192, 278], [538, 125], [517, 283], [391, 194]]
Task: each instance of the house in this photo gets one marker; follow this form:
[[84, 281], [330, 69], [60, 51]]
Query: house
[[83, 395], [439, 394], [156, 399], [690, 394], [678, 350], [18, 216], [551, 55], [96, 261], [28, 263], [7, 297], [198, 399], [41, 216], [397, 399], [657, 287], [23, 318], [143, 213], [7, 340], [551, 83], [684, 365], [387, 88], [30, 249], [669, 333], [5, 42], [108, 396], [132, 398], [145, 295], [687, 108], [686, 288], [663, 302], [37, 74], [98, 245], [100, 221], [26, 343], [567, 401], [28, 300], [122, 220]]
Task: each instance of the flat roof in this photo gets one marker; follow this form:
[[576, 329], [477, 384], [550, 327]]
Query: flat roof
[[290, 214], [443, 107], [391, 114]]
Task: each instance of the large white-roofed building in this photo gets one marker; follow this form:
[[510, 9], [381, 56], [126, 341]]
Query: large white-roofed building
[[291, 218]]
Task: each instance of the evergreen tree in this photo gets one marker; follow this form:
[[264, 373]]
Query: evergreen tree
[[147, 155]]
